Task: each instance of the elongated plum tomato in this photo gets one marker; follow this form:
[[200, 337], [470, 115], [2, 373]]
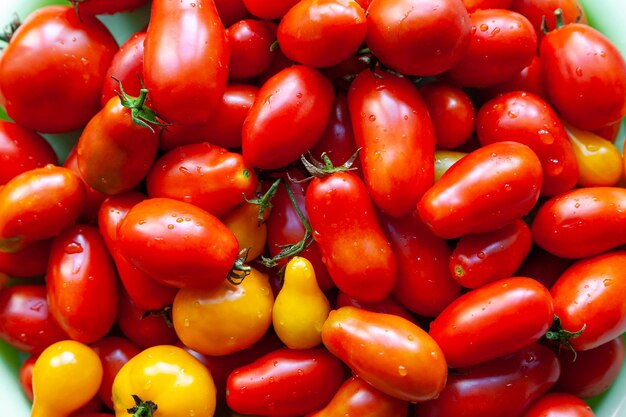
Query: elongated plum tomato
[[582, 222], [60, 48], [38, 204], [484, 191], [354, 248], [177, 243], [418, 37], [299, 97], [322, 33], [126, 65], [590, 295], [397, 140], [486, 323], [412, 366], [185, 86]]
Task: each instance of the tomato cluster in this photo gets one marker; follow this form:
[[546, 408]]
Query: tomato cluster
[[383, 208]]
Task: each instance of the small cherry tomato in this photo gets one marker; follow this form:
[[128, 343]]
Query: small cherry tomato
[[250, 42]]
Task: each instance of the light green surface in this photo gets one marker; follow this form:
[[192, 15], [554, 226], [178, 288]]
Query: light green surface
[[607, 15]]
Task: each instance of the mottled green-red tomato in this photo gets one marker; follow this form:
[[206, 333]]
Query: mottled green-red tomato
[[411, 367], [177, 243], [484, 191]]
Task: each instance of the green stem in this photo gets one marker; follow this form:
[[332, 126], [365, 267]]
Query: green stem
[[239, 271], [140, 113], [10, 28], [142, 408], [561, 336], [265, 201]]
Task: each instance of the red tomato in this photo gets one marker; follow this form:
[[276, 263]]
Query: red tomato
[[590, 373], [529, 79], [355, 250], [117, 147], [487, 323], [411, 368], [502, 44], [250, 44], [91, 7], [82, 284], [146, 293], [231, 11], [484, 191], [269, 9], [45, 95], [93, 198], [482, 258], [322, 33], [538, 10], [393, 129], [452, 112], [298, 96], [525, 118], [473, 5], [114, 352], [418, 37], [558, 405], [26, 376], [25, 321], [205, 175], [224, 126], [585, 76], [177, 243], [424, 284], [543, 266], [285, 383], [386, 306], [186, 86], [590, 295], [22, 150], [503, 387], [127, 67], [38, 204], [582, 222], [29, 262], [358, 398]]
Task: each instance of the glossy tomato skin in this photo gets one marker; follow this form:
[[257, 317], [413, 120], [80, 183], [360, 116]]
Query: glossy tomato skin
[[585, 76], [424, 285], [535, 10], [526, 118], [45, 95], [146, 293], [322, 33], [31, 261], [285, 383], [114, 352], [354, 248], [205, 175], [126, 66], [543, 266], [423, 37], [503, 387], [387, 306], [397, 140], [357, 397], [590, 294], [188, 246], [484, 191], [22, 150], [591, 372], [82, 284], [582, 222], [269, 10], [559, 405], [473, 5], [114, 153], [231, 11], [93, 7], [298, 96], [26, 376], [185, 87], [38, 204], [250, 42], [486, 323], [93, 198], [529, 79], [25, 320], [481, 258], [412, 367], [502, 44], [224, 126]]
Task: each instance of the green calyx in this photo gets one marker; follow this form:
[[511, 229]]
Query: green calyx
[[142, 408], [561, 336], [9, 29], [141, 114]]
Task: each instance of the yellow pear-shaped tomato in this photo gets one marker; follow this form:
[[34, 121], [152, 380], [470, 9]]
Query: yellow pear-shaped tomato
[[226, 319], [66, 376], [164, 378], [243, 222], [301, 308]]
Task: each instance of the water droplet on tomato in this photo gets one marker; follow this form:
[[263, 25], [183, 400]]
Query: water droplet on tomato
[[402, 371], [483, 27], [579, 71], [73, 247]]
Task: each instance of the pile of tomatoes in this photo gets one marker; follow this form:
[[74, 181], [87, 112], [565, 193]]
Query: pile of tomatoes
[[317, 208]]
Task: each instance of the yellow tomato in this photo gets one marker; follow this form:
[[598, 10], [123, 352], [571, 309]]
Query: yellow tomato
[[166, 378], [66, 376], [243, 222], [444, 160], [599, 161], [226, 319], [301, 308]]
